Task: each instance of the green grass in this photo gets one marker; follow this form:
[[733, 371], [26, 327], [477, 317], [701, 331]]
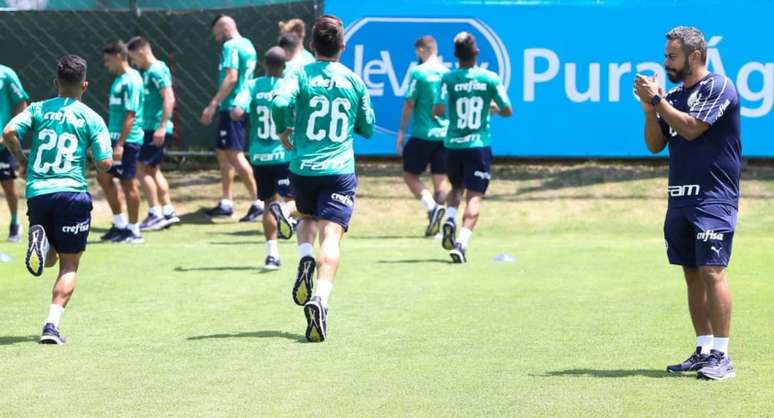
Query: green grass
[[582, 323]]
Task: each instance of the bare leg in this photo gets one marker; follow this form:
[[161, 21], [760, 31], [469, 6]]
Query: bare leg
[[65, 282], [697, 301], [414, 184], [306, 232], [454, 197], [718, 299], [440, 188], [472, 210], [132, 195], [147, 176], [163, 187], [269, 223], [105, 181], [226, 174], [329, 254], [245, 172], [10, 196]]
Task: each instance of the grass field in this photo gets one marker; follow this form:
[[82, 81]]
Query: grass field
[[582, 323]]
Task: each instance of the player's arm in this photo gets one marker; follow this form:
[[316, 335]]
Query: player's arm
[[500, 98], [365, 119], [100, 146], [226, 87], [655, 139], [282, 105], [167, 107], [408, 109], [13, 131], [439, 105], [241, 103], [18, 95], [685, 124]]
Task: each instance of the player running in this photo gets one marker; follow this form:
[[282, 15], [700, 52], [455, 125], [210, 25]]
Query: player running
[[331, 103], [125, 125], [158, 105], [699, 122], [269, 158], [63, 129], [425, 147], [471, 92], [237, 65], [13, 100]]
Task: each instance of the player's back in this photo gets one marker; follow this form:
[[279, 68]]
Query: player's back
[[424, 89], [10, 92], [332, 103], [470, 92], [156, 78], [62, 131]]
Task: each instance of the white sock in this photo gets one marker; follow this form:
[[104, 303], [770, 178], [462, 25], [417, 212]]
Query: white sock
[[451, 213], [135, 228], [284, 208], [272, 249], [305, 249], [156, 211], [324, 288], [119, 221], [258, 204], [226, 204], [464, 237], [168, 210], [54, 315], [705, 342], [720, 344], [427, 200]]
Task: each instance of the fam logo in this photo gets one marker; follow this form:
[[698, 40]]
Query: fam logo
[[381, 51]]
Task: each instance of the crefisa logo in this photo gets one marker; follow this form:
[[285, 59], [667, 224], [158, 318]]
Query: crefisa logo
[[381, 51]]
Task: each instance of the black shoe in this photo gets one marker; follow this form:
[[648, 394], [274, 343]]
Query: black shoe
[[435, 217], [284, 227], [316, 321], [271, 263], [111, 234], [14, 233], [220, 212], [153, 223], [302, 289], [171, 219], [51, 335], [696, 361], [718, 367], [37, 250], [252, 214], [129, 237], [449, 234], [458, 254]]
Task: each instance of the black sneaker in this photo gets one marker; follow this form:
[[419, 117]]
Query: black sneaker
[[37, 250], [220, 212], [284, 226], [449, 234], [302, 289], [129, 237], [458, 254], [717, 367], [316, 321], [271, 263], [252, 214], [435, 217], [171, 219], [696, 361], [51, 335], [111, 234], [153, 223], [14, 233]]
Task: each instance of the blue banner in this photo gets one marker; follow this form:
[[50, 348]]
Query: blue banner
[[568, 69]]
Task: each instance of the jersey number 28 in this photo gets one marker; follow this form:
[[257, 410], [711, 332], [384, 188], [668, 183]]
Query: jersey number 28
[[66, 145]]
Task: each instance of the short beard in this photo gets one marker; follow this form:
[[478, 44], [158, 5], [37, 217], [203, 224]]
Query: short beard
[[682, 74]]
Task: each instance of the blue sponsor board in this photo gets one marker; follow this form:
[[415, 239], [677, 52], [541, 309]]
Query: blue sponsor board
[[568, 69]]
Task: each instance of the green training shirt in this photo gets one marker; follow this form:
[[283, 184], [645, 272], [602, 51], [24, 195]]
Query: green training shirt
[[11, 94], [155, 79], [126, 95], [424, 88], [265, 147], [238, 53]]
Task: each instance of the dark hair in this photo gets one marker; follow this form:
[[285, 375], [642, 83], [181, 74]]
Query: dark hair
[[71, 69], [216, 19], [275, 57], [327, 35], [289, 41], [691, 40], [295, 25], [465, 46], [426, 42], [136, 43], [115, 48]]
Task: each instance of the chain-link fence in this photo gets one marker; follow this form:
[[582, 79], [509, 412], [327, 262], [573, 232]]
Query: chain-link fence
[[32, 40]]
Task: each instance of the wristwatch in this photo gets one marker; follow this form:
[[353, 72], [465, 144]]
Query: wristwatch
[[654, 101]]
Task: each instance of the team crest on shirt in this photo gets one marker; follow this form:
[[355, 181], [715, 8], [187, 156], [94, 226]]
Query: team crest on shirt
[[694, 98]]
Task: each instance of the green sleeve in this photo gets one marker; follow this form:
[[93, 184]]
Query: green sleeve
[[22, 122], [499, 94], [18, 94], [133, 97], [244, 98], [229, 57], [443, 96], [161, 79], [364, 124], [411, 92], [100, 140]]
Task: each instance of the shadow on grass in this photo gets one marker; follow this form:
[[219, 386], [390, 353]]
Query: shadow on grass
[[415, 261], [613, 373], [10, 340], [218, 268], [241, 233], [385, 237], [196, 218], [256, 334], [236, 242]]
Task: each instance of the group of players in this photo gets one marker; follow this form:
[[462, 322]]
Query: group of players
[[296, 123], [302, 116]]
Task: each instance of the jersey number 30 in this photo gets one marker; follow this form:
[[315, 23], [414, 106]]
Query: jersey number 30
[[339, 123], [66, 145]]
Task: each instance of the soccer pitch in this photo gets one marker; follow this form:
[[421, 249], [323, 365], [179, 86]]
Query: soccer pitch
[[582, 323]]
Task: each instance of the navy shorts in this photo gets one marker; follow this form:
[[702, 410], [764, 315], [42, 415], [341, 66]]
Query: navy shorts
[[128, 167], [66, 218], [7, 165], [272, 179], [418, 153], [231, 133], [700, 235], [330, 198], [470, 167], [151, 155]]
